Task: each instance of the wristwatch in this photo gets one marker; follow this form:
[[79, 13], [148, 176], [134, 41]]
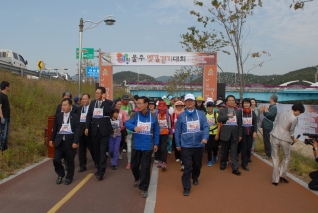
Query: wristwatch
[[315, 149]]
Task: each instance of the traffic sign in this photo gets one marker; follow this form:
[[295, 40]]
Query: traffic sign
[[92, 71], [87, 53], [40, 65]]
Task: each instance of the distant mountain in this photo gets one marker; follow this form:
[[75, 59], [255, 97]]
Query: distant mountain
[[164, 78], [130, 76]]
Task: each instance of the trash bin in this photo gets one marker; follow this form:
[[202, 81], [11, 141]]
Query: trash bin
[[50, 150]]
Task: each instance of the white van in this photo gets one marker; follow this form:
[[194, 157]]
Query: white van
[[13, 58]]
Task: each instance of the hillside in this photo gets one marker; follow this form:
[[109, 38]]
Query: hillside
[[129, 76]]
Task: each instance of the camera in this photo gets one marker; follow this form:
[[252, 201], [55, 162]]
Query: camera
[[311, 137]]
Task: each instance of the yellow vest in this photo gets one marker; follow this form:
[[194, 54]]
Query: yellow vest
[[213, 123]]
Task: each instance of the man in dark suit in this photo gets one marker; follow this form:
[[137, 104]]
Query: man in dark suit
[[85, 141], [65, 137], [65, 94], [99, 124], [231, 133]]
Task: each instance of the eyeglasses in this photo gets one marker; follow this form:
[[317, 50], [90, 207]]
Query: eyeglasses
[[140, 104]]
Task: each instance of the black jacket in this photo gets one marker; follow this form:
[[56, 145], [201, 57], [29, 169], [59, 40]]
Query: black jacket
[[228, 130], [69, 138], [103, 123]]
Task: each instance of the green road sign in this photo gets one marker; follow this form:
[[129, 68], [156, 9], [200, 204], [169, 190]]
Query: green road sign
[[87, 53]]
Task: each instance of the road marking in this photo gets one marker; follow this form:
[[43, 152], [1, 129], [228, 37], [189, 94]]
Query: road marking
[[70, 194], [152, 191]]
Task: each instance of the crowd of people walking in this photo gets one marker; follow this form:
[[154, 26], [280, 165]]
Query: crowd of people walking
[[189, 126]]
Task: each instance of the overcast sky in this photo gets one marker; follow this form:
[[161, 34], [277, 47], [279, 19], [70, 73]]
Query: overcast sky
[[48, 31]]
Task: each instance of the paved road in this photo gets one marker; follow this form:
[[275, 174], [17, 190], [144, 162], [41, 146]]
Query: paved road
[[221, 191], [36, 191], [218, 191]]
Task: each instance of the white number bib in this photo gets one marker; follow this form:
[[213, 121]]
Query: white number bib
[[193, 126], [66, 129], [98, 113], [163, 124], [145, 127], [211, 121], [231, 121], [247, 121], [83, 117]]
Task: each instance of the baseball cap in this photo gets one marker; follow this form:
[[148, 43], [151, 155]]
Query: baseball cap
[[76, 99], [209, 100], [189, 96], [151, 101], [210, 103], [170, 97]]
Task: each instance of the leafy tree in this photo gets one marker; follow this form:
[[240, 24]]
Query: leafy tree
[[231, 15], [299, 4]]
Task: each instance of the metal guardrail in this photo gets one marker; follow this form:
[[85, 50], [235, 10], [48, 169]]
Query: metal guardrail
[[22, 72]]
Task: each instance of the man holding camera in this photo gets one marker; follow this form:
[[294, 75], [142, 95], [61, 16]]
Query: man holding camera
[[313, 185]]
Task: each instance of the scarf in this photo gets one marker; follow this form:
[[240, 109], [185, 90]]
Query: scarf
[[190, 113], [247, 110]]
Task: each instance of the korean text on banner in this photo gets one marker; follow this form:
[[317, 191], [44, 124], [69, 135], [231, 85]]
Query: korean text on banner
[[106, 77]]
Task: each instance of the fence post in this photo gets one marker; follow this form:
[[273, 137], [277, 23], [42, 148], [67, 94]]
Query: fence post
[[21, 72]]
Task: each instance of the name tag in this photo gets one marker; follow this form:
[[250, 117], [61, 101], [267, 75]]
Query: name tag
[[66, 129]]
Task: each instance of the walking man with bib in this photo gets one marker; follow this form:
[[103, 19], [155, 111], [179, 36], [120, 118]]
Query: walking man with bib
[[85, 141], [231, 133], [191, 134], [65, 137], [145, 141], [98, 122]]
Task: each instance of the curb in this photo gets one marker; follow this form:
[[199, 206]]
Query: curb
[[23, 170], [297, 180], [152, 191]]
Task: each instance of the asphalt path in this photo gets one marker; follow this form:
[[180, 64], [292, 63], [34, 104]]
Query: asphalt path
[[36, 191], [222, 191]]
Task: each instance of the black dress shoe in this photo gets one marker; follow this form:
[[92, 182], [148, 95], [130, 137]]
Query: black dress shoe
[[284, 180], [236, 172], [245, 168], [249, 160], [100, 177], [68, 181], [195, 182], [136, 183], [114, 167], [59, 180], [186, 192], [82, 169], [275, 184], [222, 168]]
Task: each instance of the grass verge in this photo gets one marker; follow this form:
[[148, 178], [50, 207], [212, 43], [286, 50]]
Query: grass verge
[[31, 102]]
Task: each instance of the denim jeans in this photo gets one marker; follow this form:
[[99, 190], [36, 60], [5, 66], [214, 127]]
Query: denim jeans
[[4, 133]]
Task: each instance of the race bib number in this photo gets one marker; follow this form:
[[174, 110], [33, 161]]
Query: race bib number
[[211, 121], [163, 124], [145, 128], [83, 117], [247, 121], [232, 121], [193, 126], [98, 113], [65, 129]]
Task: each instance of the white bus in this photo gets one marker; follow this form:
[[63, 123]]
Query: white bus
[[13, 58]]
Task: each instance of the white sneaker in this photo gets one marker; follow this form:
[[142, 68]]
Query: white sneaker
[[124, 150], [153, 155], [120, 157], [156, 162], [107, 153], [169, 152], [182, 167], [177, 160]]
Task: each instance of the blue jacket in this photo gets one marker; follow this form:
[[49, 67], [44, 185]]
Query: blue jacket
[[143, 141], [186, 139]]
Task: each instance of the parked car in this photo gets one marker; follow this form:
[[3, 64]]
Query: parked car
[[13, 58]]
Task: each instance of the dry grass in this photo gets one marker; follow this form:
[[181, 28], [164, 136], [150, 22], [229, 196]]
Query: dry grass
[[31, 102]]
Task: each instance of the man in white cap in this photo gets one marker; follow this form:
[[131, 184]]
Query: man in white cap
[[191, 133]]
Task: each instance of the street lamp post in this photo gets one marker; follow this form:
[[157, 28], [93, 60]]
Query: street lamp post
[[108, 21]]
